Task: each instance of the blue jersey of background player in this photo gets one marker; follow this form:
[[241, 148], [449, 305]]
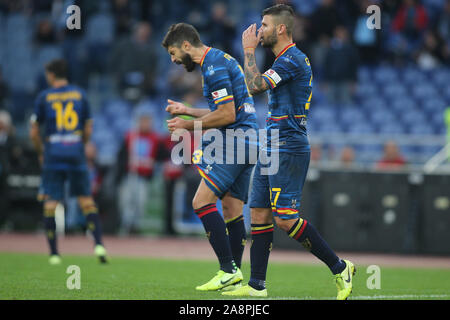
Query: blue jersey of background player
[[277, 196], [230, 107], [63, 113]]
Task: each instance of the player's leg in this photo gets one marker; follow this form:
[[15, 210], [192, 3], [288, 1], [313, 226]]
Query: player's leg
[[286, 196], [204, 204], [307, 235], [262, 236], [232, 213], [233, 204], [50, 230], [90, 211], [79, 184], [262, 239], [52, 189], [218, 180]]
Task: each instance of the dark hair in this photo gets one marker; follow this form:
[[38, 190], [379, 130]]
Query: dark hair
[[58, 67], [283, 14], [180, 32]]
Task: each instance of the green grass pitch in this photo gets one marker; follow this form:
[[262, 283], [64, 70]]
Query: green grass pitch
[[29, 276]]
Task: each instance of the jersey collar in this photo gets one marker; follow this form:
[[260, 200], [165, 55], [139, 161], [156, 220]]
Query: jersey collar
[[285, 49], [204, 55]]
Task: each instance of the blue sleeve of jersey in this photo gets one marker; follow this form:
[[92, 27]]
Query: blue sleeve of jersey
[[39, 109], [219, 84], [282, 70], [86, 108]]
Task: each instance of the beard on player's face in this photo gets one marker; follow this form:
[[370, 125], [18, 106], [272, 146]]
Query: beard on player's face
[[270, 40], [187, 62]]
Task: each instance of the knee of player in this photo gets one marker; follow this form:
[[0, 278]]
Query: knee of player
[[202, 199], [50, 208], [285, 224], [87, 205], [261, 215], [227, 212], [231, 211], [197, 203]]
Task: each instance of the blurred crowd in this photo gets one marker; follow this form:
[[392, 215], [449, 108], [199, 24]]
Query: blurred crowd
[[117, 54], [121, 38]]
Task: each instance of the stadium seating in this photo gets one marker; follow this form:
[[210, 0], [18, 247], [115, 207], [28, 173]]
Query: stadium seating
[[388, 101]]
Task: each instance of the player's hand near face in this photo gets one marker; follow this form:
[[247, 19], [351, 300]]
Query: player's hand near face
[[250, 40], [176, 108], [251, 37]]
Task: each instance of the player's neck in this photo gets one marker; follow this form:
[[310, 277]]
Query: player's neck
[[199, 53], [281, 45], [59, 83]]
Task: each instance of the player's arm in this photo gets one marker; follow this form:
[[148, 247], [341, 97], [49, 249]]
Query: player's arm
[[224, 115], [35, 136], [87, 118], [253, 76], [36, 118], [177, 108], [87, 132]]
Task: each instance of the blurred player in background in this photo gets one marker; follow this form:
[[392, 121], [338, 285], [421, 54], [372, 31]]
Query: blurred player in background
[[63, 113], [290, 83], [230, 107]]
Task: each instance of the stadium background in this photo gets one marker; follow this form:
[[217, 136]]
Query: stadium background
[[371, 88]]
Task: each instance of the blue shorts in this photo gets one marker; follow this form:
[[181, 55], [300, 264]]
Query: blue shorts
[[228, 166], [281, 191], [53, 183], [223, 178]]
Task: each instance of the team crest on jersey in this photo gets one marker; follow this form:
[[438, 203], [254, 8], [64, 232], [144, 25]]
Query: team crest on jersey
[[208, 169], [294, 203], [211, 70], [273, 75]]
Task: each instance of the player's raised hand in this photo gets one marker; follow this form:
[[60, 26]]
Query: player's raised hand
[[251, 37], [175, 108]]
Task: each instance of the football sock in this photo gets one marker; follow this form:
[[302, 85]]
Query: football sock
[[237, 237], [216, 232], [305, 233], [262, 238], [50, 231], [93, 223]]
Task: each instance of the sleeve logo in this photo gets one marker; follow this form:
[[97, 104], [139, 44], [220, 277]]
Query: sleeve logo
[[273, 75], [211, 70], [219, 93]]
